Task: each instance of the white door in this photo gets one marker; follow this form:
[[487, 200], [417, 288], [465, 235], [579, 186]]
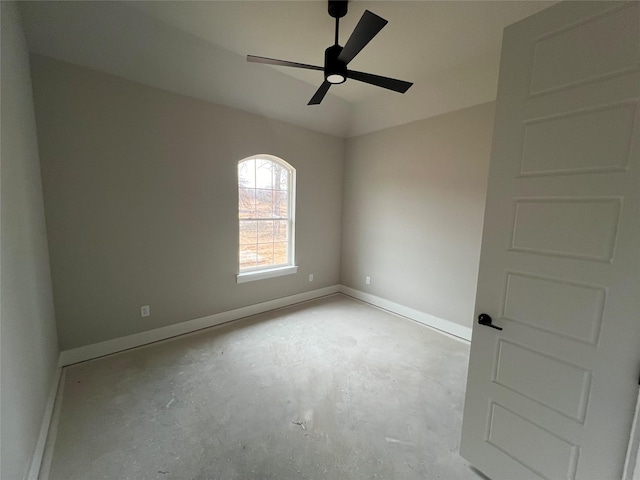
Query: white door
[[552, 395]]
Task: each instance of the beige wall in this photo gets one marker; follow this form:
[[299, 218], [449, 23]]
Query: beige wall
[[140, 197], [28, 343], [141, 202], [413, 210]]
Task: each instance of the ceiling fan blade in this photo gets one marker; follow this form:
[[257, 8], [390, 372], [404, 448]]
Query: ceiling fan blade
[[320, 93], [281, 63], [367, 28], [384, 82]]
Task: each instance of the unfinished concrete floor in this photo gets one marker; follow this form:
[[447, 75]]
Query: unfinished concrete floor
[[328, 389]]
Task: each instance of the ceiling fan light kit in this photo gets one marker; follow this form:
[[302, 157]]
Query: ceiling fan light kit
[[337, 57], [335, 71]]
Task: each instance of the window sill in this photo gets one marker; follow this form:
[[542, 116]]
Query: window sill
[[262, 274]]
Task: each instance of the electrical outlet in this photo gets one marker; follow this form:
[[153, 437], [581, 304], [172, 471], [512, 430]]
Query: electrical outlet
[[145, 311], [367, 280], [311, 277]]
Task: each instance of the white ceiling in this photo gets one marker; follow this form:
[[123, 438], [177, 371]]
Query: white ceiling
[[449, 49]]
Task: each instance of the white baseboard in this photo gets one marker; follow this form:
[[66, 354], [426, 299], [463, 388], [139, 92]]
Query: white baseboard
[[36, 461], [47, 456], [446, 326], [95, 350]]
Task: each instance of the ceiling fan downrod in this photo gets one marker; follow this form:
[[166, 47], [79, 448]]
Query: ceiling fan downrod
[[335, 71]]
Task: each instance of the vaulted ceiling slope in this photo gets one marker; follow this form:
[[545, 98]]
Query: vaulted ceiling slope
[[449, 49]]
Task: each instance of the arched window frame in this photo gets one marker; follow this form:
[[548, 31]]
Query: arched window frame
[[248, 274]]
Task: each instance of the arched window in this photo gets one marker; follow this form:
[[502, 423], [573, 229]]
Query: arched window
[[266, 209]]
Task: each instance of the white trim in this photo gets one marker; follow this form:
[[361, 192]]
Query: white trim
[[291, 217], [440, 324], [36, 461], [95, 350], [45, 465], [632, 462], [262, 274]]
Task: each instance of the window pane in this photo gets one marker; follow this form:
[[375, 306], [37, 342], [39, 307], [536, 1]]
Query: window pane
[[280, 178], [265, 254], [265, 232], [264, 173], [264, 203], [264, 213], [280, 204], [280, 253], [248, 232], [247, 174], [248, 256], [280, 231], [246, 203]]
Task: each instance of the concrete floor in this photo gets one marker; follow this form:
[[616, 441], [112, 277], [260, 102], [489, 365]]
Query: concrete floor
[[328, 389]]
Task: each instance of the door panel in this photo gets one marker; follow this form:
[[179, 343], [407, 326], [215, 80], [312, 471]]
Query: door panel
[[514, 435], [552, 395], [581, 52], [543, 378], [569, 309], [583, 228], [579, 142]]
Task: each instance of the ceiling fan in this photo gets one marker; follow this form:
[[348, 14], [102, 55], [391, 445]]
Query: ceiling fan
[[336, 57]]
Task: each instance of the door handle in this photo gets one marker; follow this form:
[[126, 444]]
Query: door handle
[[484, 319]]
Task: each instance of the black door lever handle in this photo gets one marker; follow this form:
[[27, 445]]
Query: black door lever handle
[[484, 319]]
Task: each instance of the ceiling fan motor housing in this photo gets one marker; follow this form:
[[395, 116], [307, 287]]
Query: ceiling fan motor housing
[[335, 71], [338, 8]]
